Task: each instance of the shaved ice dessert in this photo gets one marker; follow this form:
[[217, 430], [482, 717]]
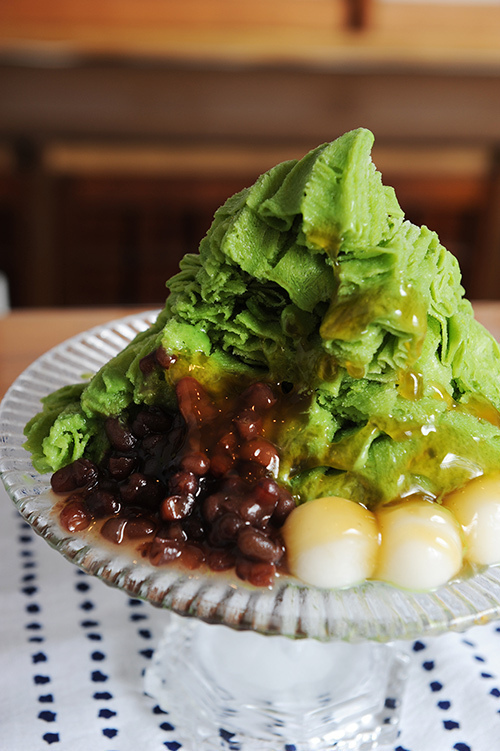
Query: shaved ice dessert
[[316, 398]]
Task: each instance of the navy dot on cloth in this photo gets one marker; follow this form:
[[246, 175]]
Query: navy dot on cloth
[[158, 710], [47, 716], [41, 679], [106, 713], [167, 726], [110, 732], [98, 677], [51, 738], [107, 639], [436, 686], [444, 704], [82, 586]]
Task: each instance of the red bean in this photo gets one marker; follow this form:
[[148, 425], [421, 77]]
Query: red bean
[[192, 556], [74, 516], [176, 532], [119, 435], [221, 463], [260, 574], [153, 443], [148, 363], [267, 492], [284, 506], [142, 490], [220, 559], [183, 483], [213, 507], [248, 424], [226, 529], [102, 503], [164, 358], [114, 529], [79, 474], [195, 405], [193, 528], [176, 507], [186, 489], [257, 546], [120, 467], [262, 452], [63, 481], [196, 462], [259, 396], [228, 442], [234, 486], [139, 528], [151, 420], [253, 512], [164, 551]]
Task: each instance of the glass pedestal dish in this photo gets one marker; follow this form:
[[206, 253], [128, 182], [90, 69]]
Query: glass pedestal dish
[[290, 668]]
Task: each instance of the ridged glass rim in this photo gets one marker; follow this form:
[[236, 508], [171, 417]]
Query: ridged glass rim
[[370, 611]]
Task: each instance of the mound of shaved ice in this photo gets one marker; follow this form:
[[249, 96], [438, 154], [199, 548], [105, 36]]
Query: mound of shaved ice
[[312, 280]]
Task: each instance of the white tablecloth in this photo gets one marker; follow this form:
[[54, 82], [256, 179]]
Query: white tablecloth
[[73, 652]]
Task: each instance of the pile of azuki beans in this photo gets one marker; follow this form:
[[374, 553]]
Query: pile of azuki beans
[[194, 486]]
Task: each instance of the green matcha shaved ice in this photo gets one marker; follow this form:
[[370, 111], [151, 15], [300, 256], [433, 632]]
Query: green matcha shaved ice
[[312, 277]]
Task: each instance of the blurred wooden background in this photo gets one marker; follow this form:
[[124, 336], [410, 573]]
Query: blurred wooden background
[[124, 125]]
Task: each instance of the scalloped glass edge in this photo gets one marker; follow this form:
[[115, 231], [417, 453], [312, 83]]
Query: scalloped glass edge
[[370, 611]]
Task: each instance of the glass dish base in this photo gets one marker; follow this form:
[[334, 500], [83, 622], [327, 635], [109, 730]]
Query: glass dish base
[[245, 691]]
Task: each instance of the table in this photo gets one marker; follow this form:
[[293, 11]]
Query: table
[[26, 334], [73, 651]]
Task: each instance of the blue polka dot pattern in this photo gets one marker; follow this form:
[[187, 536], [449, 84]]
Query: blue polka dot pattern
[[51, 738], [106, 713], [102, 696], [85, 587], [93, 627], [158, 710], [47, 716], [29, 588]]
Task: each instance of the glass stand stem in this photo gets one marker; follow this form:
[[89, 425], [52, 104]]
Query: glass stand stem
[[226, 689]]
